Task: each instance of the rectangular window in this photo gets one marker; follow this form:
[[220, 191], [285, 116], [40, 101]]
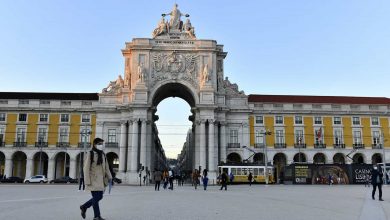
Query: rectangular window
[[2, 116], [278, 105], [357, 137], [85, 137], [259, 139], [22, 117], [375, 138], [64, 117], [21, 135], [337, 120], [3, 102], [111, 135], [355, 120], [86, 118], [86, 103], [317, 106], [43, 117], [66, 103], [24, 102], [318, 120], [375, 121], [42, 135], [2, 131], [299, 136], [64, 135], [259, 120], [338, 137], [298, 120], [44, 102], [279, 136], [233, 136], [279, 120]]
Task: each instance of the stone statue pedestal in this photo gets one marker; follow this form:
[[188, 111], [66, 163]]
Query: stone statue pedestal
[[207, 94], [140, 93]]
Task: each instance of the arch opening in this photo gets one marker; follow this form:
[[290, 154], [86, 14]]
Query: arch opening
[[40, 161]]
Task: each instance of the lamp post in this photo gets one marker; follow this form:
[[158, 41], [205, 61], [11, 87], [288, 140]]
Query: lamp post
[[84, 134], [266, 132], [384, 158]]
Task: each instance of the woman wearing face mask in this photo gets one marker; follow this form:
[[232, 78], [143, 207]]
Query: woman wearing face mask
[[96, 177]]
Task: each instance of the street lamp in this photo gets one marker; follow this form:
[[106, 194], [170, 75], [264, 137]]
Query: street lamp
[[84, 135], [266, 132]]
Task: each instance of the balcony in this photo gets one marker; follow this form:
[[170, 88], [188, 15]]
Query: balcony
[[41, 144], [233, 145], [81, 145], [112, 144], [319, 145], [280, 145], [2, 144], [376, 146], [358, 146], [339, 146], [62, 144], [299, 145], [20, 144], [259, 145]]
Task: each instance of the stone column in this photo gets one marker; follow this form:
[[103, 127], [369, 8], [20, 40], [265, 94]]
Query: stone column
[[129, 146], [202, 145], [223, 142], [99, 129], [134, 147], [143, 144], [8, 167], [29, 167], [211, 167], [50, 169], [72, 168], [122, 147]]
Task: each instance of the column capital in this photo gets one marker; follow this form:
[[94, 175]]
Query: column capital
[[100, 123], [223, 123], [211, 121], [123, 122]]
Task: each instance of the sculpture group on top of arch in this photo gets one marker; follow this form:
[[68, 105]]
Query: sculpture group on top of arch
[[175, 25]]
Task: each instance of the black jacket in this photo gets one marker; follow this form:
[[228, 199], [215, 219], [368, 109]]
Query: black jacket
[[375, 174]]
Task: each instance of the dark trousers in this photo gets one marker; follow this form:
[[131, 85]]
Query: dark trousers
[[157, 185], [374, 190], [171, 183], [224, 184], [81, 182], [94, 202]]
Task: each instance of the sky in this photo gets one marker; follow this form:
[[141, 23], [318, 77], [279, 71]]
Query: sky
[[300, 47]]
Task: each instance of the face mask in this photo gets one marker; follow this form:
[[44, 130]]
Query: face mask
[[375, 168], [100, 147]]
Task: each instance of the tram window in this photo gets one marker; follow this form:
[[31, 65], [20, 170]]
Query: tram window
[[256, 171], [261, 171], [245, 171], [234, 171], [238, 171]]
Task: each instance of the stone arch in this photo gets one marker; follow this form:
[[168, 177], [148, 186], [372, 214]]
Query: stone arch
[[62, 164], [358, 158], [300, 158], [376, 158], [234, 158], [279, 161], [258, 158], [40, 163], [319, 158], [173, 89], [19, 162], [339, 158], [2, 163], [113, 160]]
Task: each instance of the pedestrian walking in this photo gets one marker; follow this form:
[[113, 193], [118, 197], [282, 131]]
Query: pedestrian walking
[[96, 176], [224, 179], [205, 179], [165, 178], [157, 179], [171, 175], [231, 178], [250, 178], [81, 181], [195, 178], [376, 181], [330, 179]]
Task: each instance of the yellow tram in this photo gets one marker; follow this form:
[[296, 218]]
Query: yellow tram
[[241, 172]]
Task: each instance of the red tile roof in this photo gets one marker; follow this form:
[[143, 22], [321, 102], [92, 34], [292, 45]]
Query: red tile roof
[[52, 96], [319, 99]]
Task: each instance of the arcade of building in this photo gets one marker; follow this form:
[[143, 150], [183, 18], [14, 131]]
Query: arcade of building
[[48, 133]]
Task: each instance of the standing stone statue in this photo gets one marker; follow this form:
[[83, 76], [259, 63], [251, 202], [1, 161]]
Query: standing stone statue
[[174, 23], [187, 28], [206, 74], [141, 73]]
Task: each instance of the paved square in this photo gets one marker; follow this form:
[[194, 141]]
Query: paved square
[[61, 202]]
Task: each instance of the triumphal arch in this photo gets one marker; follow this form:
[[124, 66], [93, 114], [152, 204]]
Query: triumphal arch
[[173, 63]]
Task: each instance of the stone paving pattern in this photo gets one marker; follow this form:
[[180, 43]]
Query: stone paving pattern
[[300, 202]]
